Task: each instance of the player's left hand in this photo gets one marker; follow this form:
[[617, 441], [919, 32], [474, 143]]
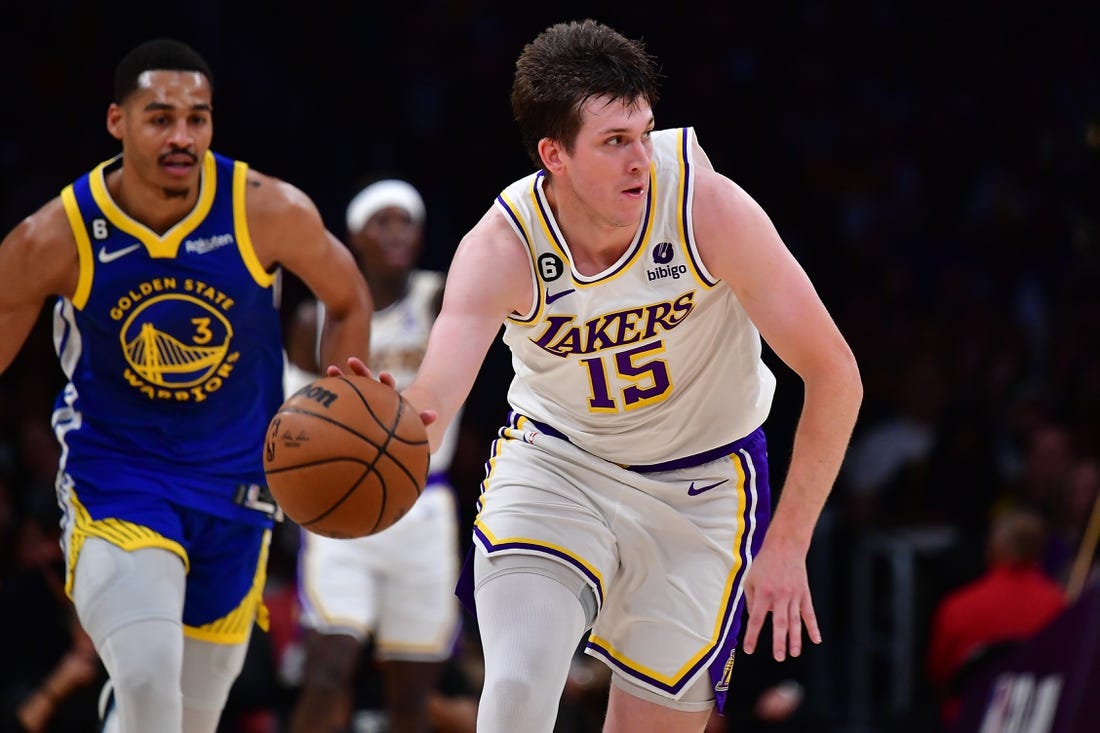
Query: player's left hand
[[777, 584]]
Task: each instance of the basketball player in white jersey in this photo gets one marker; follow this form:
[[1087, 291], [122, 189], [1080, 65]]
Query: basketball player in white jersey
[[399, 584], [627, 493]]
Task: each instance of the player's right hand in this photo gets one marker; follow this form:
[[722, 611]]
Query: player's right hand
[[358, 368]]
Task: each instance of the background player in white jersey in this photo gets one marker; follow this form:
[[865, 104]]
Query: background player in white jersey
[[399, 584], [628, 493], [165, 263]]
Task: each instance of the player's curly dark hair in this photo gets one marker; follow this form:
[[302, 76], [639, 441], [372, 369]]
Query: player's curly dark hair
[[565, 66], [160, 54]]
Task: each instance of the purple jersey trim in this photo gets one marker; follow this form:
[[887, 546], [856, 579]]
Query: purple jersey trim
[[685, 208]]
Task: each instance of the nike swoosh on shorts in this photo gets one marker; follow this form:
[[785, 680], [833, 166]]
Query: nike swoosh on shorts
[[692, 491], [105, 256]]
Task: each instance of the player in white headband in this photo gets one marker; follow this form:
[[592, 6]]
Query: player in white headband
[[397, 586], [381, 195]]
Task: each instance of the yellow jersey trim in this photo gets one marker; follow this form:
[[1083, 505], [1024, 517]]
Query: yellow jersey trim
[[83, 248], [158, 246], [240, 226]]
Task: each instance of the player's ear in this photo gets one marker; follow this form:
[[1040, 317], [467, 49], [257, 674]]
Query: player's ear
[[114, 121], [550, 152]]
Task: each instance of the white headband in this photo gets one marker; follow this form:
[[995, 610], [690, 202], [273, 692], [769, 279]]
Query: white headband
[[381, 195]]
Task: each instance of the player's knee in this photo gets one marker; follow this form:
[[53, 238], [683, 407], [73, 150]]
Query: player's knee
[[144, 660], [514, 688]]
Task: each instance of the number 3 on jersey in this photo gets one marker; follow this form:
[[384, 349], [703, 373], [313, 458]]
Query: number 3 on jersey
[[646, 381]]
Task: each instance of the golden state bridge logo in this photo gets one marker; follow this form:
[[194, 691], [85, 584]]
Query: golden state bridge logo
[[176, 344]]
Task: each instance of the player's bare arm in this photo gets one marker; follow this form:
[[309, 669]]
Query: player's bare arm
[[489, 278], [287, 230], [740, 245], [37, 259], [301, 337]]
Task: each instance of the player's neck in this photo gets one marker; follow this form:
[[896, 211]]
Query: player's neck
[[595, 242], [150, 205]]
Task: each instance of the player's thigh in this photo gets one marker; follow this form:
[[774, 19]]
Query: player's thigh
[[550, 500], [633, 712], [113, 587]]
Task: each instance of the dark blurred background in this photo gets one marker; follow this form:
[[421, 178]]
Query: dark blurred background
[[935, 166]]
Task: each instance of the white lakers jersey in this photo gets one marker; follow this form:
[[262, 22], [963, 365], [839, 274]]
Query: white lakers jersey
[[652, 360]]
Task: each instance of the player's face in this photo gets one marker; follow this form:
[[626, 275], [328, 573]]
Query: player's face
[[389, 243], [608, 168], [165, 128]]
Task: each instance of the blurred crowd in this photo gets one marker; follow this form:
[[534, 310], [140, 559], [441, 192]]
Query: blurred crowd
[[934, 166]]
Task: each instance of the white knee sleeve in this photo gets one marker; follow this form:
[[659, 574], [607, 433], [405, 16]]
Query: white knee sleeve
[[209, 671], [131, 604], [530, 626]]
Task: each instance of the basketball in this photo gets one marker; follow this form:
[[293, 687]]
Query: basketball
[[346, 456]]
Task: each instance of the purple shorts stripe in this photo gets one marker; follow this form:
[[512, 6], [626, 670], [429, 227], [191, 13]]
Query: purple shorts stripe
[[752, 455], [754, 459]]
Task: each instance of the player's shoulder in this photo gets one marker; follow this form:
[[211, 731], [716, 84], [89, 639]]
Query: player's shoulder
[[491, 227], [46, 230], [42, 249], [494, 237], [269, 197], [715, 194], [492, 264]]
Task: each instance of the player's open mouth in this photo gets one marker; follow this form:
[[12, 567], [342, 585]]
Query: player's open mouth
[[178, 164], [635, 192]]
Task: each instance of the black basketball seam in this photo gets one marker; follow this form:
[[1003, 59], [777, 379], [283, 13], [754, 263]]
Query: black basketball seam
[[390, 430], [351, 490], [401, 407]]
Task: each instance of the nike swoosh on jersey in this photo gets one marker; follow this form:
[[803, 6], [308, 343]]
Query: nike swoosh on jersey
[[105, 256], [551, 297], [692, 491]]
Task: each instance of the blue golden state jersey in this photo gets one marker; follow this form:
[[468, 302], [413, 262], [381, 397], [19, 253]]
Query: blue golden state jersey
[[172, 347]]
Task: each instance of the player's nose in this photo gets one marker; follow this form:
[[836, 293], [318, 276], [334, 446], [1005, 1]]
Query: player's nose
[[180, 134], [639, 157]]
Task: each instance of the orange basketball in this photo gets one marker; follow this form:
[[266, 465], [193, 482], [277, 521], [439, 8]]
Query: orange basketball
[[346, 456]]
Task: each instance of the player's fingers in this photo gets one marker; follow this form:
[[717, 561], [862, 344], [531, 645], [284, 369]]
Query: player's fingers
[[428, 417], [752, 629], [779, 633], [358, 367], [810, 617], [385, 378], [794, 632]]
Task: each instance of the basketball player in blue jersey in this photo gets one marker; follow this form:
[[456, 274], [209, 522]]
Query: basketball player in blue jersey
[[628, 492], [165, 262]]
